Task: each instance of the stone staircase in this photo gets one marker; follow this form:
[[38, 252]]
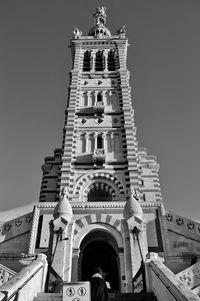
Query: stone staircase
[[113, 297]]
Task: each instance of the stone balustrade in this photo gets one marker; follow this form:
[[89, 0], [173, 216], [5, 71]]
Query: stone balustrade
[[5, 274], [25, 285], [164, 283], [190, 276]]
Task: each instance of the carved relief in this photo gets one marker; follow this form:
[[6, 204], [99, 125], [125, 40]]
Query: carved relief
[[18, 222], [77, 33], [7, 227], [28, 218], [179, 221], [5, 274], [169, 217], [190, 225], [191, 276]]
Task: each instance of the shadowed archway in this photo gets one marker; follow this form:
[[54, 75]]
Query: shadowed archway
[[99, 248]]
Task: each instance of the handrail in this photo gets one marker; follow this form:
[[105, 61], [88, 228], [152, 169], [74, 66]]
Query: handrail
[[18, 289], [170, 281], [20, 280], [167, 287]]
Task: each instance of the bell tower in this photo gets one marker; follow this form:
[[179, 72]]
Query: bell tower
[[100, 163], [100, 135], [99, 142]]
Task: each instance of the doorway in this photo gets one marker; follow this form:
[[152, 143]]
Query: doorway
[[99, 249]]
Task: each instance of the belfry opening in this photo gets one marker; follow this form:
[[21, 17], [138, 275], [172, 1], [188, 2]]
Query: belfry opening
[[100, 192], [99, 249]]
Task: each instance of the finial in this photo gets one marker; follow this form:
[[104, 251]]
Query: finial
[[76, 33], [121, 29]]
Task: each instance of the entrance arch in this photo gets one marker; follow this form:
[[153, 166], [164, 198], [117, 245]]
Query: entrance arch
[[99, 249]]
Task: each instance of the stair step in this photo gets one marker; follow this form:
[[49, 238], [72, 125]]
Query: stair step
[[113, 297], [48, 297], [132, 297]]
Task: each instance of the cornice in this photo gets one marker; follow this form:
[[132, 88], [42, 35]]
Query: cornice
[[88, 205]]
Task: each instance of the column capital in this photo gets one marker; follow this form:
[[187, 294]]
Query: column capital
[[105, 51], [93, 52]]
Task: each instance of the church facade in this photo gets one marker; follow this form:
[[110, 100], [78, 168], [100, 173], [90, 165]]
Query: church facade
[[100, 202]]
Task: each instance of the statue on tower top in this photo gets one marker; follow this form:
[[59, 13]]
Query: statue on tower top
[[100, 15], [99, 30]]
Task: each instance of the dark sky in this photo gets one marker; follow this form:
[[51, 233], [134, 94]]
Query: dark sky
[[164, 61]]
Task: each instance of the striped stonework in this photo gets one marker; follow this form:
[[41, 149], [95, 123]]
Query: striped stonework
[[110, 179], [100, 159], [96, 219]]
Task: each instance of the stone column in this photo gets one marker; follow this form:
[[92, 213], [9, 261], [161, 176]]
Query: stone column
[[90, 143], [112, 142], [89, 99], [75, 258], [109, 98], [92, 96], [104, 136], [108, 146], [105, 56], [95, 140], [103, 97], [95, 97], [93, 54]]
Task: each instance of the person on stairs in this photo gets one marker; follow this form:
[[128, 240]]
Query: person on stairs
[[99, 291]]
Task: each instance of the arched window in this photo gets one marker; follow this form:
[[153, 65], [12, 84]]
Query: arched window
[[99, 141], [86, 61], [99, 61], [84, 99], [100, 192], [82, 144], [111, 60], [99, 97], [92, 98]]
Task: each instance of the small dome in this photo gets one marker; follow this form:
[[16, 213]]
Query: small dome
[[99, 32], [132, 208], [63, 208]]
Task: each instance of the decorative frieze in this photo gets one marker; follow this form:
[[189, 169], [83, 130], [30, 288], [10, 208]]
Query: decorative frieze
[[16, 226], [187, 224]]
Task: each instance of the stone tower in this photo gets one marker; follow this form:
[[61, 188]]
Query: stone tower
[[100, 161], [100, 147]]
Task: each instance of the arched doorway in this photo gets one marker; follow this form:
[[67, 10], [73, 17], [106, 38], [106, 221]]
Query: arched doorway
[[99, 248]]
